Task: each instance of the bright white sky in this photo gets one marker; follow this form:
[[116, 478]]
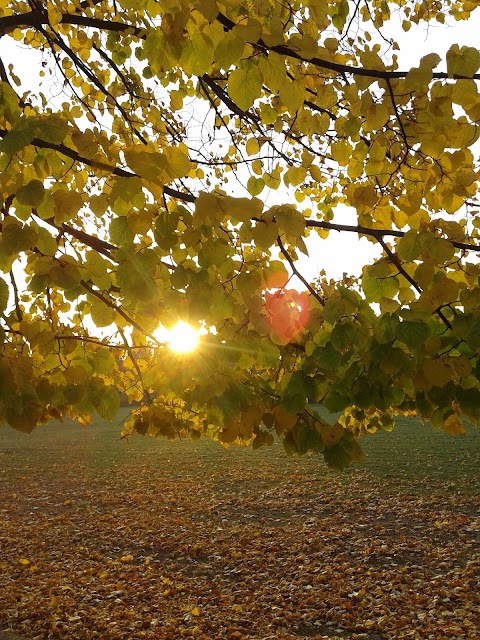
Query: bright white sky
[[341, 252]]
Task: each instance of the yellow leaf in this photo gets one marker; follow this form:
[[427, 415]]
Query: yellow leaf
[[284, 420], [437, 372], [67, 204], [146, 164], [454, 425], [252, 147], [127, 558], [331, 434], [272, 180], [463, 61], [292, 94], [55, 601], [275, 275], [341, 151], [377, 117], [315, 173], [54, 15], [24, 561], [289, 220], [418, 79], [195, 611], [250, 32]]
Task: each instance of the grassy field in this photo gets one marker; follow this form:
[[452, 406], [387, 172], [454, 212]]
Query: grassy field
[[106, 538], [413, 453]]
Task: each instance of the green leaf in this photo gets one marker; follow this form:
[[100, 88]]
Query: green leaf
[[135, 274], [245, 84], [326, 358], [103, 361], [336, 400], [31, 194], [128, 189], [102, 315], [303, 438], [265, 234], [294, 396], [65, 276], [409, 247], [289, 220], [343, 453], [108, 404], [438, 249], [255, 185], [229, 50], [197, 56], [18, 138], [376, 288], [119, 231], [4, 295], [9, 103], [413, 334], [52, 128]]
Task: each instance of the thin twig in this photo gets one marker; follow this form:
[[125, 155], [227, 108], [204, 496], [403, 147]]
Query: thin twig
[[287, 256]]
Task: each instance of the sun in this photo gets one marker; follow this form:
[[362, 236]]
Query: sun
[[182, 338]]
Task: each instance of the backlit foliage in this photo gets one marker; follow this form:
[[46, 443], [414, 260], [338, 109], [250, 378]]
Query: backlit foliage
[[136, 169]]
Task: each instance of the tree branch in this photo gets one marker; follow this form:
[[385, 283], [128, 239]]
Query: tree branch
[[117, 309], [38, 18], [378, 234], [287, 256], [341, 69], [74, 155], [18, 309], [409, 278]]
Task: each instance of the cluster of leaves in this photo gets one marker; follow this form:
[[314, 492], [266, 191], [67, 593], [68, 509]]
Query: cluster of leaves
[[177, 540], [117, 215]]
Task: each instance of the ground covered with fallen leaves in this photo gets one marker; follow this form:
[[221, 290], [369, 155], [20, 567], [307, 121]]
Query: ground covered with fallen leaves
[[104, 539]]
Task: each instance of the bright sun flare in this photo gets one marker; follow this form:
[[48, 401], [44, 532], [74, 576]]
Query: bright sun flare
[[182, 338]]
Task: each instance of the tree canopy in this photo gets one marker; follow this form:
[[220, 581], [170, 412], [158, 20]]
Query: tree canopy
[[170, 160]]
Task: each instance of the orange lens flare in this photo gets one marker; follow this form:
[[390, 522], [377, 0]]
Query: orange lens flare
[[288, 313]]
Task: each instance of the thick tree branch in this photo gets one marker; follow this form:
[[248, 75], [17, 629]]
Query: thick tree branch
[[227, 101], [36, 19], [378, 234]]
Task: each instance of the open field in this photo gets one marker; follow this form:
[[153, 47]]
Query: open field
[[100, 538]]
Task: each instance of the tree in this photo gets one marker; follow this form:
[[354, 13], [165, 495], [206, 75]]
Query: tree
[[136, 195]]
